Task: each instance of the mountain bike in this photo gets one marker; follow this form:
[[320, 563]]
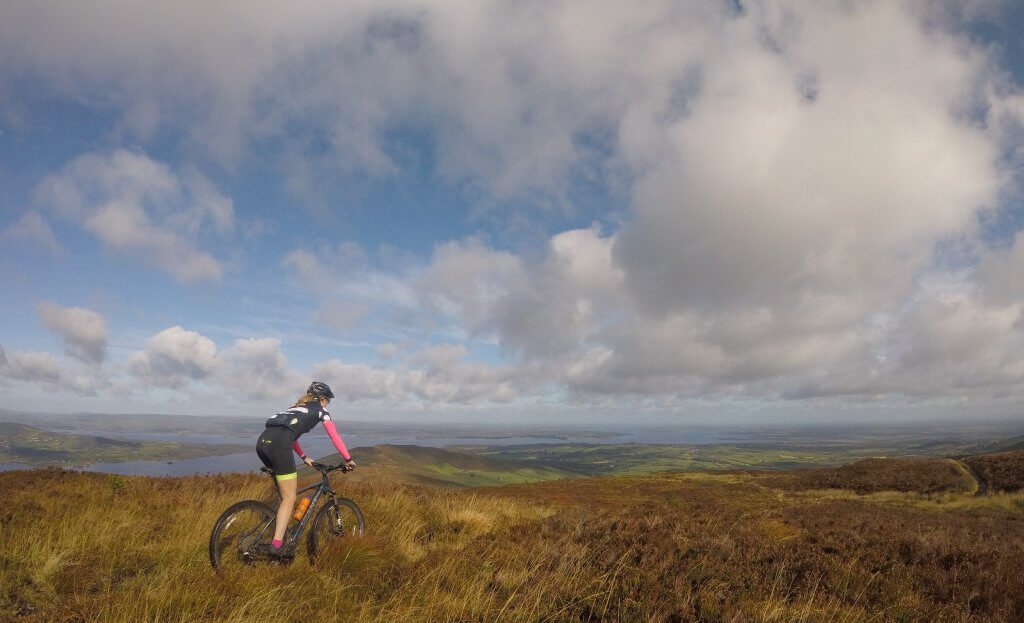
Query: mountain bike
[[238, 532]]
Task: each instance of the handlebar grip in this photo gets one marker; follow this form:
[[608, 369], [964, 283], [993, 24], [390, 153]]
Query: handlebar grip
[[325, 467]]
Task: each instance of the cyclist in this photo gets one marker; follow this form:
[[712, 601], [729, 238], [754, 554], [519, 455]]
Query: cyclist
[[275, 445]]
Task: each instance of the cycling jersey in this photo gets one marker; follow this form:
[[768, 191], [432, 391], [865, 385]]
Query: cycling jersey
[[301, 418], [286, 427]]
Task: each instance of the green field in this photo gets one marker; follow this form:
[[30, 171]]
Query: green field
[[32, 446], [443, 467], [598, 459]]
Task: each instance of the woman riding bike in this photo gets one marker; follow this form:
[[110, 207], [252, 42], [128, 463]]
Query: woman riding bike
[[275, 445]]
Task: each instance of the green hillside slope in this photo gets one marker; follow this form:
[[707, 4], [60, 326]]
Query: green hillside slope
[[28, 445]]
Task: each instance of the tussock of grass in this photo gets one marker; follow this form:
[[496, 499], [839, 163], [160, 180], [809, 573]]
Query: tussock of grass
[[666, 547]]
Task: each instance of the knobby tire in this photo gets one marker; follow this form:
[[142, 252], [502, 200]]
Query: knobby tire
[[225, 548], [352, 524]]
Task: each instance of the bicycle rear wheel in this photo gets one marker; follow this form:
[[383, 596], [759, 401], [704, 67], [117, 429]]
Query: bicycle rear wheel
[[334, 522], [237, 532]]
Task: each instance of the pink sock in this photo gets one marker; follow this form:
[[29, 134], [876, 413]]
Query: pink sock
[[277, 543]]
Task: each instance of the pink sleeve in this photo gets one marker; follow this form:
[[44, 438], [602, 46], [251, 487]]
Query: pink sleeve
[[336, 438], [297, 448]]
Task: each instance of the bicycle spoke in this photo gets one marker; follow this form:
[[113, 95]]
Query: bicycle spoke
[[237, 533]]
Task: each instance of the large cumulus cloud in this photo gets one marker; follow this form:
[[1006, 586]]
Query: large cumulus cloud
[[795, 176], [174, 356]]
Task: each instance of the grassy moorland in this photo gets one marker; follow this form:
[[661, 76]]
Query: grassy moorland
[[734, 546], [928, 476], [32, 446], [1002, 471]]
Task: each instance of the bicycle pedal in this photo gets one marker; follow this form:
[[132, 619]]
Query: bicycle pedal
[[269, 552]]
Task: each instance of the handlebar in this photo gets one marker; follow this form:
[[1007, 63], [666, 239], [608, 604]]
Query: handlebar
[[325, 469]]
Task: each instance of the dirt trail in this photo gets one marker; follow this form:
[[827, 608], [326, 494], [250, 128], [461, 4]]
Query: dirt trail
[[982, 486]]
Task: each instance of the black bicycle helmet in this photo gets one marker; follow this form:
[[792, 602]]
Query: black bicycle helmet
[[318, 389]]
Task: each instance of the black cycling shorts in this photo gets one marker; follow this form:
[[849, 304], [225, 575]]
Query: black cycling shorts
[[274, 447]]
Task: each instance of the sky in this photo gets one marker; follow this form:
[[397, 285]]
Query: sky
[[533, 211]]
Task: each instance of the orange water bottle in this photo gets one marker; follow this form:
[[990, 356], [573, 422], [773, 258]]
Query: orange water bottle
[[300, 511]]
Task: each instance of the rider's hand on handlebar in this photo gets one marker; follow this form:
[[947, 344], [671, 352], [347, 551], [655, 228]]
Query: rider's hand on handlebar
[[350, 465], [309, 461]]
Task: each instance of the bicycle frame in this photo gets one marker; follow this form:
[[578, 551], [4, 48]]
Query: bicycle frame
[[323, 488]]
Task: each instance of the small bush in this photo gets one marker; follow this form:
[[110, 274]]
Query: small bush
[[117, 483]]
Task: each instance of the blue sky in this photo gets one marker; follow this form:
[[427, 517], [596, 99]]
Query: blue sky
[[538, 211]]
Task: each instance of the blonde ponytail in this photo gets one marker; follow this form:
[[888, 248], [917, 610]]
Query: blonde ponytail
[[305, 398]]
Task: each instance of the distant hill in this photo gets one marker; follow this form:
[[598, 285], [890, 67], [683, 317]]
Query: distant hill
[[20, 443], [101, 423], [441, 467], [1001, 471], [877, 474], [21, 438]]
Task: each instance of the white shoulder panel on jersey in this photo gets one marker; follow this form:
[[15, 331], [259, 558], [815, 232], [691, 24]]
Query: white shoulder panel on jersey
[[325, 416], [299, 410]]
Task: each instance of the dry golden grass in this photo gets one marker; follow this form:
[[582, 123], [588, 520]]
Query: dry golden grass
[[665, 547]]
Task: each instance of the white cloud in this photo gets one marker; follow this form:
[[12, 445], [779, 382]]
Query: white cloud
[[349, 289], [520, 96], [1001, 273], [140, 207], [34, 366], [792, 171], [466, 278], [257, 369], [84, 331], [434, 375], [358, 381], [174, 356], [385, 351], [956, 342], [45, 372], [763, 194], [33, 228], [343, 316]]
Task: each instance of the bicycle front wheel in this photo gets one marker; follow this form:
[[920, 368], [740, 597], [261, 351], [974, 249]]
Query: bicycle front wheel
[[334, 522], [237, 532]]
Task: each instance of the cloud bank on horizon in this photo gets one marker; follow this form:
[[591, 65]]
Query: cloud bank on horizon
[[529, 206]]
